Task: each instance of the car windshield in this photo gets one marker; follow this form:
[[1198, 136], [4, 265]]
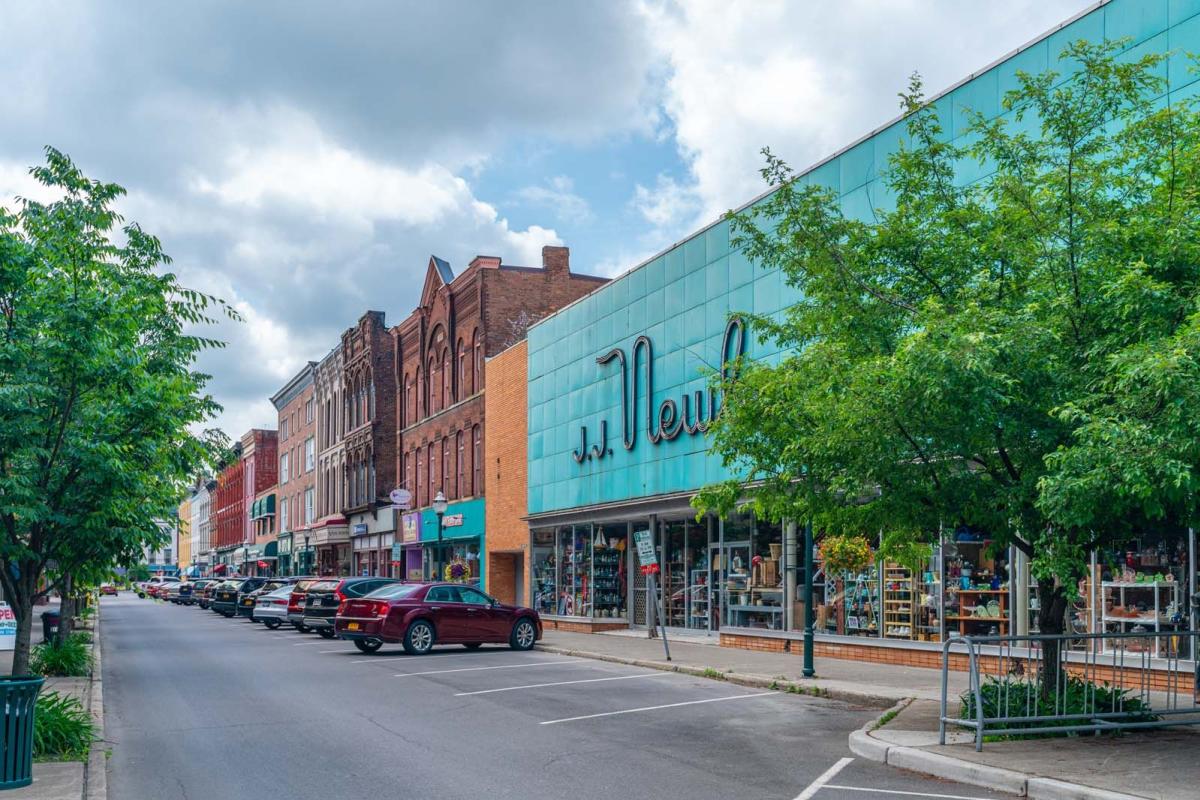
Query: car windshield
[[395, 591], [303, 586], [324, 586], [282, 591]]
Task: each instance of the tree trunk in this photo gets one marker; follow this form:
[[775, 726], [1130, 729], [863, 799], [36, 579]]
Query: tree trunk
[[1052, 615], [66, 610], [24, 615]]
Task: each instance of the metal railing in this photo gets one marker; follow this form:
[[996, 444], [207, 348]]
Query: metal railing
[[1072, 683]]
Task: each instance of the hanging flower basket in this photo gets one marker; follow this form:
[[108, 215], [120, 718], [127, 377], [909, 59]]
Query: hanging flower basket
[[845, 553], [457, 571]]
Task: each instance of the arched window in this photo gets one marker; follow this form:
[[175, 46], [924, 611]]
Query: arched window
[[460, 481], [464, 391], [431, 388], [419, 398], [477, 461], [419, 487], [370, 396], [446, 467], [447, 379], [432, 472], [477, 346]]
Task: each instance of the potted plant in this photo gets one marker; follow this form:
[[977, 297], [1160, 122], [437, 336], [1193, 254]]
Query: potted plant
[[842, 553]]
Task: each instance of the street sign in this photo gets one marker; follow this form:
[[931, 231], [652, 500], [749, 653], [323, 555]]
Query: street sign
[[401, 498], [645, 548], [8, 628], [397, 549]]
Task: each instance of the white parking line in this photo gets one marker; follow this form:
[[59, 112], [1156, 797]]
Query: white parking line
[[480, 669], [897, 791], [656, 708], [301, 644], [343, 650], [824, 778], [566, 683]]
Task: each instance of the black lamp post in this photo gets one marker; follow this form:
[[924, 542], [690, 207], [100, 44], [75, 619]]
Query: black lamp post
[[439, 508], [307, 567]]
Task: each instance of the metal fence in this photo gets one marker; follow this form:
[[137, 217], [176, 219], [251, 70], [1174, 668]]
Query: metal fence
[[1071, 683]]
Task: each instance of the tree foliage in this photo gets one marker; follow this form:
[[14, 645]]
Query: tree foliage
[[98, 395], [1020, 352]]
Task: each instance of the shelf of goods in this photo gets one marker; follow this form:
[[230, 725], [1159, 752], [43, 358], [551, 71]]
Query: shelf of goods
[[1139, 604], [981, 607], [899, 599], [608, 588], [751, 606], [698, 611]]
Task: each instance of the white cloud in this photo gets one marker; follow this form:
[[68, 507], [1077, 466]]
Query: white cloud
[[668, 204], [807, 78], [558, 197]]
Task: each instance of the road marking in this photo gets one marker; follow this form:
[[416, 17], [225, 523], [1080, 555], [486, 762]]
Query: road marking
[[824, 778], [566, 683], [480, 669], [343, 650], [898, 791], [656, 708], [301, 644]]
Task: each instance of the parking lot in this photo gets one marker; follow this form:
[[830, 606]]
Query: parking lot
[[200, 705]]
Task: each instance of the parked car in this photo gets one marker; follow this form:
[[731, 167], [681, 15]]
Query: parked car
[[150, 588], [270, 608], [323, 598], [225, 597], [420, 615], [158, 589], [204, 590], [108, 588], [295, 607], [170, 592], [247, 597]]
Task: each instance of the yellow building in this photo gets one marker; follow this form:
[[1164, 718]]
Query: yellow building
[[185, 534]]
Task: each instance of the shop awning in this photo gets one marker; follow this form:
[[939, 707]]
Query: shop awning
[[271, 549], [219, 568]]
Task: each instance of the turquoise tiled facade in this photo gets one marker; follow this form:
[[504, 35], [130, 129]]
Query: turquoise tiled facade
[[682, 298]]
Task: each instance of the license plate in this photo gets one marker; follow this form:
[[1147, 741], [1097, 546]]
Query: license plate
[[352, 626], [247, 602]]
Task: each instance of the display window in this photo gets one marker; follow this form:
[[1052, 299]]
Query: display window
[[686, 547], [610, 578], [753, 569], [544, 573]]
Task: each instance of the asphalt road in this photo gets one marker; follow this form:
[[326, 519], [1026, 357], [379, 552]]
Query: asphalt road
[[198, 706]]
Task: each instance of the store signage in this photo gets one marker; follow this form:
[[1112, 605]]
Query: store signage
[[401, 498], [645, 549], [671, 418], [452, 521], [397, 549], [8, 628], [359, 529], [410, 527]]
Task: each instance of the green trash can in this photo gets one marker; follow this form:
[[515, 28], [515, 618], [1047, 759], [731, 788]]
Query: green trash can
[[19, 696]]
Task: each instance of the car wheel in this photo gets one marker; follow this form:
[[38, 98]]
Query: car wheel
[[419, 639], [368, 645], [272, 624], [523, 635], [327, 633], [473, 645], [302, 628]]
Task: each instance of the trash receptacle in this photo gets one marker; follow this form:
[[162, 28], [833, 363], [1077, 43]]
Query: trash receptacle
[[50, 622], [19, 697]]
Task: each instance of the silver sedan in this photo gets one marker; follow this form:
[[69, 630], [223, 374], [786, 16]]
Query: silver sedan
[[271, 608]]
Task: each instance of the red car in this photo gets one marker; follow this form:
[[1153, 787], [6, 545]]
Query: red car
[[420, 615]]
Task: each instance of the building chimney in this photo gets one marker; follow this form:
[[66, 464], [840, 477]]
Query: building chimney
[[556, 261], [485, 262]]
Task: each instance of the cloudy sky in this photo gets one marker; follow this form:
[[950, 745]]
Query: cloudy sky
[[303, 159]]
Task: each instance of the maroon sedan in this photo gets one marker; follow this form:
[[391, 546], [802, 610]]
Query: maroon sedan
[[420, 615]]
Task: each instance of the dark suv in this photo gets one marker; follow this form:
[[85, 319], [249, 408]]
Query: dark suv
[[323, 598], [226, 598]]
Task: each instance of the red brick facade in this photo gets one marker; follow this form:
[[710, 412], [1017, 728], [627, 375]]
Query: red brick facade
[[260, 471], [229, 504], [296, 407], [441, 354], [505, 476], [369, 412]]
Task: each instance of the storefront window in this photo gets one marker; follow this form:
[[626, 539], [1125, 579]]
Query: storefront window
[[609, 570], [574, 574], [686, 573], [752, 560], [544, 571]]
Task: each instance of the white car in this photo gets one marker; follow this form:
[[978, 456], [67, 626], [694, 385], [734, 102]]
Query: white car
[[271, 608]]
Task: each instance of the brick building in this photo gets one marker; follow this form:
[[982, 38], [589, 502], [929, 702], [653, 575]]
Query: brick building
[[331, 531], [260, 471], [505, 472], [369, 418], [228, 509], [441, 353], [297, 408]]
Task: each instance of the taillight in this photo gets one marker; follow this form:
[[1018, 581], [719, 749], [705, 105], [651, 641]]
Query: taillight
[[338, 594], [342, 607], [381, 608], [294, 601]]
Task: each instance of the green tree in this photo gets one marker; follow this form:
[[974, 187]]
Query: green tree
[[98, 395], [1019, 353]]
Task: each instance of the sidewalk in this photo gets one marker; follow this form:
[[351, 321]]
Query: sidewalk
[[855, 681], [1159, 765], [1155, 764]]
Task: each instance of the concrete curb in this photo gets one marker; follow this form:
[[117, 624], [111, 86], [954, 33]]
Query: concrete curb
[[95, 775], [741, 679], [998, 779]]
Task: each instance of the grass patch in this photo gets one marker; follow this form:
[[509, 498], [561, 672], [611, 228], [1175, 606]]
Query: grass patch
[[62, 729], [70, 659], [885, 719], [715, 674]]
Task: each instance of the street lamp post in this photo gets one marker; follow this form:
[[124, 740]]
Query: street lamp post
[[307, 559], [439, 508]]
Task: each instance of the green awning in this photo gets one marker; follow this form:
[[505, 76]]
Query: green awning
[[269, 504], [271, 549]]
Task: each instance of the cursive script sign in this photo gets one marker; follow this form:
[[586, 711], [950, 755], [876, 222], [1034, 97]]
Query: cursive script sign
[[691, 415]]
